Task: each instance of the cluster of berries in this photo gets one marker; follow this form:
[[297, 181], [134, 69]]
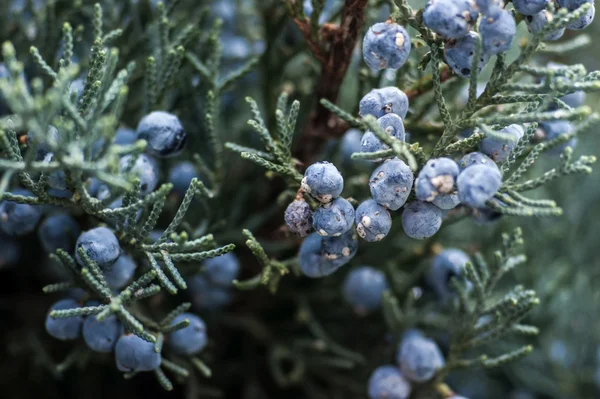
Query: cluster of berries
[[387, 44]]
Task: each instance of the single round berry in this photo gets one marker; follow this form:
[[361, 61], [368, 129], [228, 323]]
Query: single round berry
[[450, 19], [340, 250], [476, 158], [459, 55], [497, 32], [371, 143], [477, 184], [436, 179], [530, 7], [392, 124], [311, 260], [181, 175], [102, 336], [386, 382], [553, 129], [334, 218], [100, 244], [363, 288], [391, 183], [373, 221], [323, 181], [499, 145], [222, 270], [120, 273], [64, 328], [133, 354], [386, 45], [538, 21], [188, 340], [447, 201], [421, 220], [419, 358], [18, 219], [447, 264], [379, 102], [207, 295], [163, 132], [58, 231], [144, 168], [350, 144], [299, 217]]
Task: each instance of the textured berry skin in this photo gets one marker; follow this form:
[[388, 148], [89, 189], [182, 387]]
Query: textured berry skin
[[67, 328], [478, 184], [58, 231], [379, 102], [392, 124], [222, 270], [450, 19], [459, 55], [100, 244], [191, 339], [16, 219], [386, 46], [322, 256], [436, 179], [299, 217], [391, 183], [386, 382], [419, 358], [145, 168], [134, 354], [373, 221], [553, 129], [536, 23], [363, 288], [125, 136], [446, 202], [584, 21], [11, 251], [340, 250], [323, 181], [207, 295], [499, 149], [489, 7], [445, 265], [102, 336], [120, 273], [476, 158], [181, 175], [163, 132], [497, 32], [529, 7], [334, 218], [421, 220], [370, 143]]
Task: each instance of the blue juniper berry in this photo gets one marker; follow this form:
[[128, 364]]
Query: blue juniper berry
[[144, 168], [447, 264], [102, 336], [499, 145], [387, 382], [421, 219], [379, 102], [391, 183], [553, 129], [419, 358], [341, 249], [299, 217], [386, 45], [538, 21], [181, 175], [436, 179], [363, 288], [477, 184], [530, 7], [450, 19], [334, 218], [64, 328], [476, 158], [323, 181], [59, 230], [222, 270], [133, 354], [497, 32], [373, 221], [18, 219], [584, 21], [459, 55], [188, 340], [120, 273], [163, 132], [100, 244]]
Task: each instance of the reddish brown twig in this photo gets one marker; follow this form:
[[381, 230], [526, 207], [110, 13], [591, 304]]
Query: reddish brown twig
[[334, 52]]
